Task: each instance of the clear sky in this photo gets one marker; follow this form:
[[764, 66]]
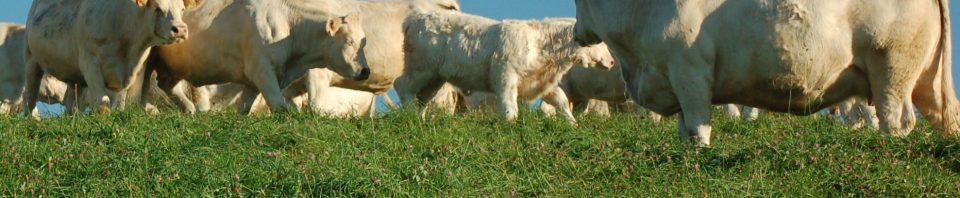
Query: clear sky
[[16, 11]]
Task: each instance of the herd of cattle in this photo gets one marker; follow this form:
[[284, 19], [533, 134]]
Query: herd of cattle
[[871, 62]]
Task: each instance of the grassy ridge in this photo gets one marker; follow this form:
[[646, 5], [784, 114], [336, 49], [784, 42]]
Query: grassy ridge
[[476, 154]]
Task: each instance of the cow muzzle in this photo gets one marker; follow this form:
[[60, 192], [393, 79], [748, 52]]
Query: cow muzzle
[[363, 75], [180, 32]]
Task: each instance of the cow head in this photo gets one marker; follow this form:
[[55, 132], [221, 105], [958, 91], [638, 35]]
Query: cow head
[[595, 56], [344, 48], [167, 18], [583, 35], [435, 5]]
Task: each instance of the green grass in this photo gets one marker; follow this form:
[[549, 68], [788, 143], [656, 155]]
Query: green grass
[[476, 154]]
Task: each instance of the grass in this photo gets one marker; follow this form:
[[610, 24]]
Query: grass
[[475, 154]]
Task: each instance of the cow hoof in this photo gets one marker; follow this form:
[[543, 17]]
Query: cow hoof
[[700, 141], [151, 110]]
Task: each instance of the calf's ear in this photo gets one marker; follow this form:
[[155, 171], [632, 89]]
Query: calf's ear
[[191, 4], [334, 25], [142, 3]]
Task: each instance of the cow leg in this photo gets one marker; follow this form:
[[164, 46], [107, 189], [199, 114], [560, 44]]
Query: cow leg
[[179, 91], [732, 110], [428, 95], [118, 99], [317, 81], [936, 104], [247, 99], [548, 109], [31, 93], [868, 114], [265, 79], [750, 113], [72, 100], [599, 107], [892, 87], [96, 92], [203, 97], [507, 94], [691, 78], [559, 99]]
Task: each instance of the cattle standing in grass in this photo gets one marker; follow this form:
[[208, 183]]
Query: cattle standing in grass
[[384, 52], [782, 55], [265, 45], [12, 63], [512, 59], [100, 44]]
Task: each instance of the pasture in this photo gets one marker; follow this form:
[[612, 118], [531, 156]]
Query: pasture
[[469, 155]]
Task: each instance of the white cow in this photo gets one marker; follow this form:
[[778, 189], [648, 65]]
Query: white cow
[[100, 44], [384, 52], [512, 59], [783, 55], [265, 45], [12, 64]]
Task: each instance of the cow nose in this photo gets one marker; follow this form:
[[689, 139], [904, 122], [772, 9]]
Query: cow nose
[[364, 74], [179, 30]]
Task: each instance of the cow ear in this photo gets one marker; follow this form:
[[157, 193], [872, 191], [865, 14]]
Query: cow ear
[[142, 3], [334, 25], [191, 4]]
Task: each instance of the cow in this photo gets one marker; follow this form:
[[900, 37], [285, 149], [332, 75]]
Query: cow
[[782, 55], [512, 59], [384, 52], [264, 45], [12, 38], [12, 63], [99, 44]]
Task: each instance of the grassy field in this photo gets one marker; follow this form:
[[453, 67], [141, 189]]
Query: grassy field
[[476, 154]]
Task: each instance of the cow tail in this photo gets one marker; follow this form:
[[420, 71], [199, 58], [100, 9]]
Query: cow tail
[[949, 113]]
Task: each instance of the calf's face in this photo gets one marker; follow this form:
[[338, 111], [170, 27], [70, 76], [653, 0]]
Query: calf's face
[[167, 18], [595, 56], [345, 47]]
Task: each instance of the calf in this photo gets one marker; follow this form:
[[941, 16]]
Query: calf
[[512, 59]]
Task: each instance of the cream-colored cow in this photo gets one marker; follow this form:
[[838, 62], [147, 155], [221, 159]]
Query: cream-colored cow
[[265, 45], [100, 44], [12, 63], [512, 59], [781, 55]]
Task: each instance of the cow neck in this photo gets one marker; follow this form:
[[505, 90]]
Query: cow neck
[[142, 37], [309, 38]]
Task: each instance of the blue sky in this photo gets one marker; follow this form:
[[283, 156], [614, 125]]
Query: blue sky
[[16, 11]]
